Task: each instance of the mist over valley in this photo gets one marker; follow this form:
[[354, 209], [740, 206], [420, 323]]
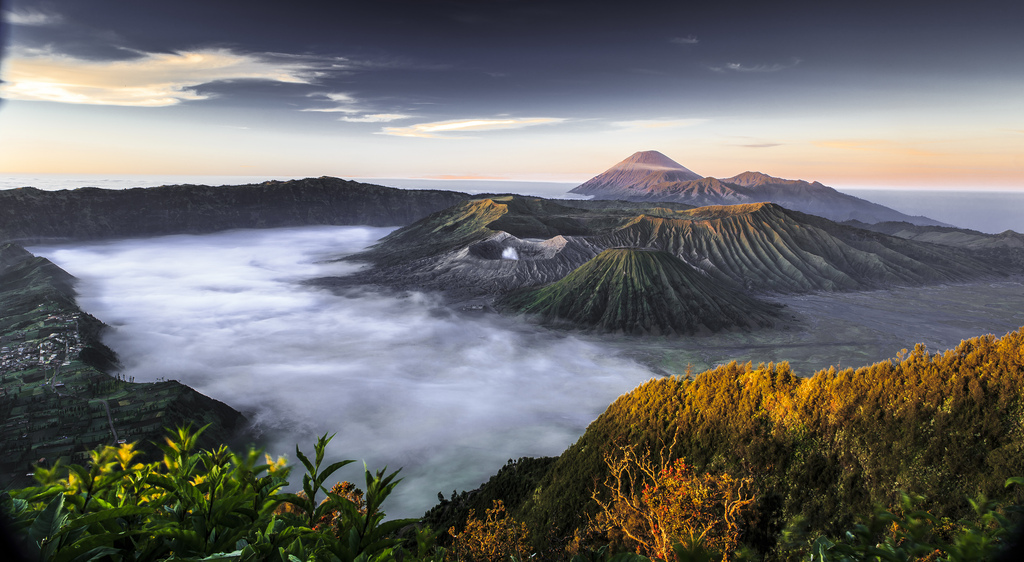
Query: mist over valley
[[402, 379], [406, 380], [729, 282]]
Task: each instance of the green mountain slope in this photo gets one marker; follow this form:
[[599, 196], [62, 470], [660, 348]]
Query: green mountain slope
[[824, 449], [641, 292], [764, 246], [473, 220], [493, 245], [57, 400]]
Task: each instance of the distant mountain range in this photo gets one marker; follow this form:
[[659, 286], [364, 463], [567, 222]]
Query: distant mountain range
[[489, 246], [493, 246], [28, 214], [652, 176]]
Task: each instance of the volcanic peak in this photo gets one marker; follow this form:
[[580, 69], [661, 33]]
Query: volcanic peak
[[641, 291], [639, 171], [651, 160]]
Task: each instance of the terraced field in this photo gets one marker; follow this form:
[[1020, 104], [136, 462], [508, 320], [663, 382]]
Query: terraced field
[[57, 400]]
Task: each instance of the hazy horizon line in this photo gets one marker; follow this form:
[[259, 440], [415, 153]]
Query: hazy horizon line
[[10, 180]]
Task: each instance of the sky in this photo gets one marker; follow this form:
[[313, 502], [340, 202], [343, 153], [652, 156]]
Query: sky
[[852, 94]]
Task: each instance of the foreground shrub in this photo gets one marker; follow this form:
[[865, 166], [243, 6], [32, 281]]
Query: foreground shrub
[[497, 537], [658, 509], [203, 505]]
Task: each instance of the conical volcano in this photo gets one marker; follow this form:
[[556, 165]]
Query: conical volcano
[[636, 173], [652, 176], [638, 291]]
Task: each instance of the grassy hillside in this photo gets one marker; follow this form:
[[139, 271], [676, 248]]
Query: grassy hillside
[[824, 449]]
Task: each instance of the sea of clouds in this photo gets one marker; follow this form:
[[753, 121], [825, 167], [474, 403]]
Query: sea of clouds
[[403, 380]]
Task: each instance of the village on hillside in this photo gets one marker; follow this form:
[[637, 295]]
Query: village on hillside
[[56, 407]]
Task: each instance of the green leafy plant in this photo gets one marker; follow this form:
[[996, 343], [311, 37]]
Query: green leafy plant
[[205, 505], [914, 534]]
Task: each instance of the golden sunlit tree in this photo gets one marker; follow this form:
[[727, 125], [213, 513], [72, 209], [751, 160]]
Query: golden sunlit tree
[[651, 507], [497, 537]]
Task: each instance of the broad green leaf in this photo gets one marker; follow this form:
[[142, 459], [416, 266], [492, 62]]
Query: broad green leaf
[[104, 516], [49, 521]]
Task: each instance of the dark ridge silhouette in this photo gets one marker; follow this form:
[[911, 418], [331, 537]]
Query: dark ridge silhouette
[[29, 214]]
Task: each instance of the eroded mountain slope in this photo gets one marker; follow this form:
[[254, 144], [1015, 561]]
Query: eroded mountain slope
[[489, 246], [641, 292]]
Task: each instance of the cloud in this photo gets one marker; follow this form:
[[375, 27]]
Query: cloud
[[28, 17], [438, 129], [403, 380], [658, 123], [346, 102], [376, 118], [146, 80], [739, 67], [688, 40]]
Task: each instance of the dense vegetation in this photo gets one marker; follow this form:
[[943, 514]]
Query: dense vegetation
[[205, 504], [783, 468], [821, 452], [215, 504]]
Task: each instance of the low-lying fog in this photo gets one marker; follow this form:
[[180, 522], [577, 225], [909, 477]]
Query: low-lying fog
[[402, 380]]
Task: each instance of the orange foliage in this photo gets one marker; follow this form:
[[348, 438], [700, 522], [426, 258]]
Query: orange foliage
[[653, 508], [494, 539], [345, 489]]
